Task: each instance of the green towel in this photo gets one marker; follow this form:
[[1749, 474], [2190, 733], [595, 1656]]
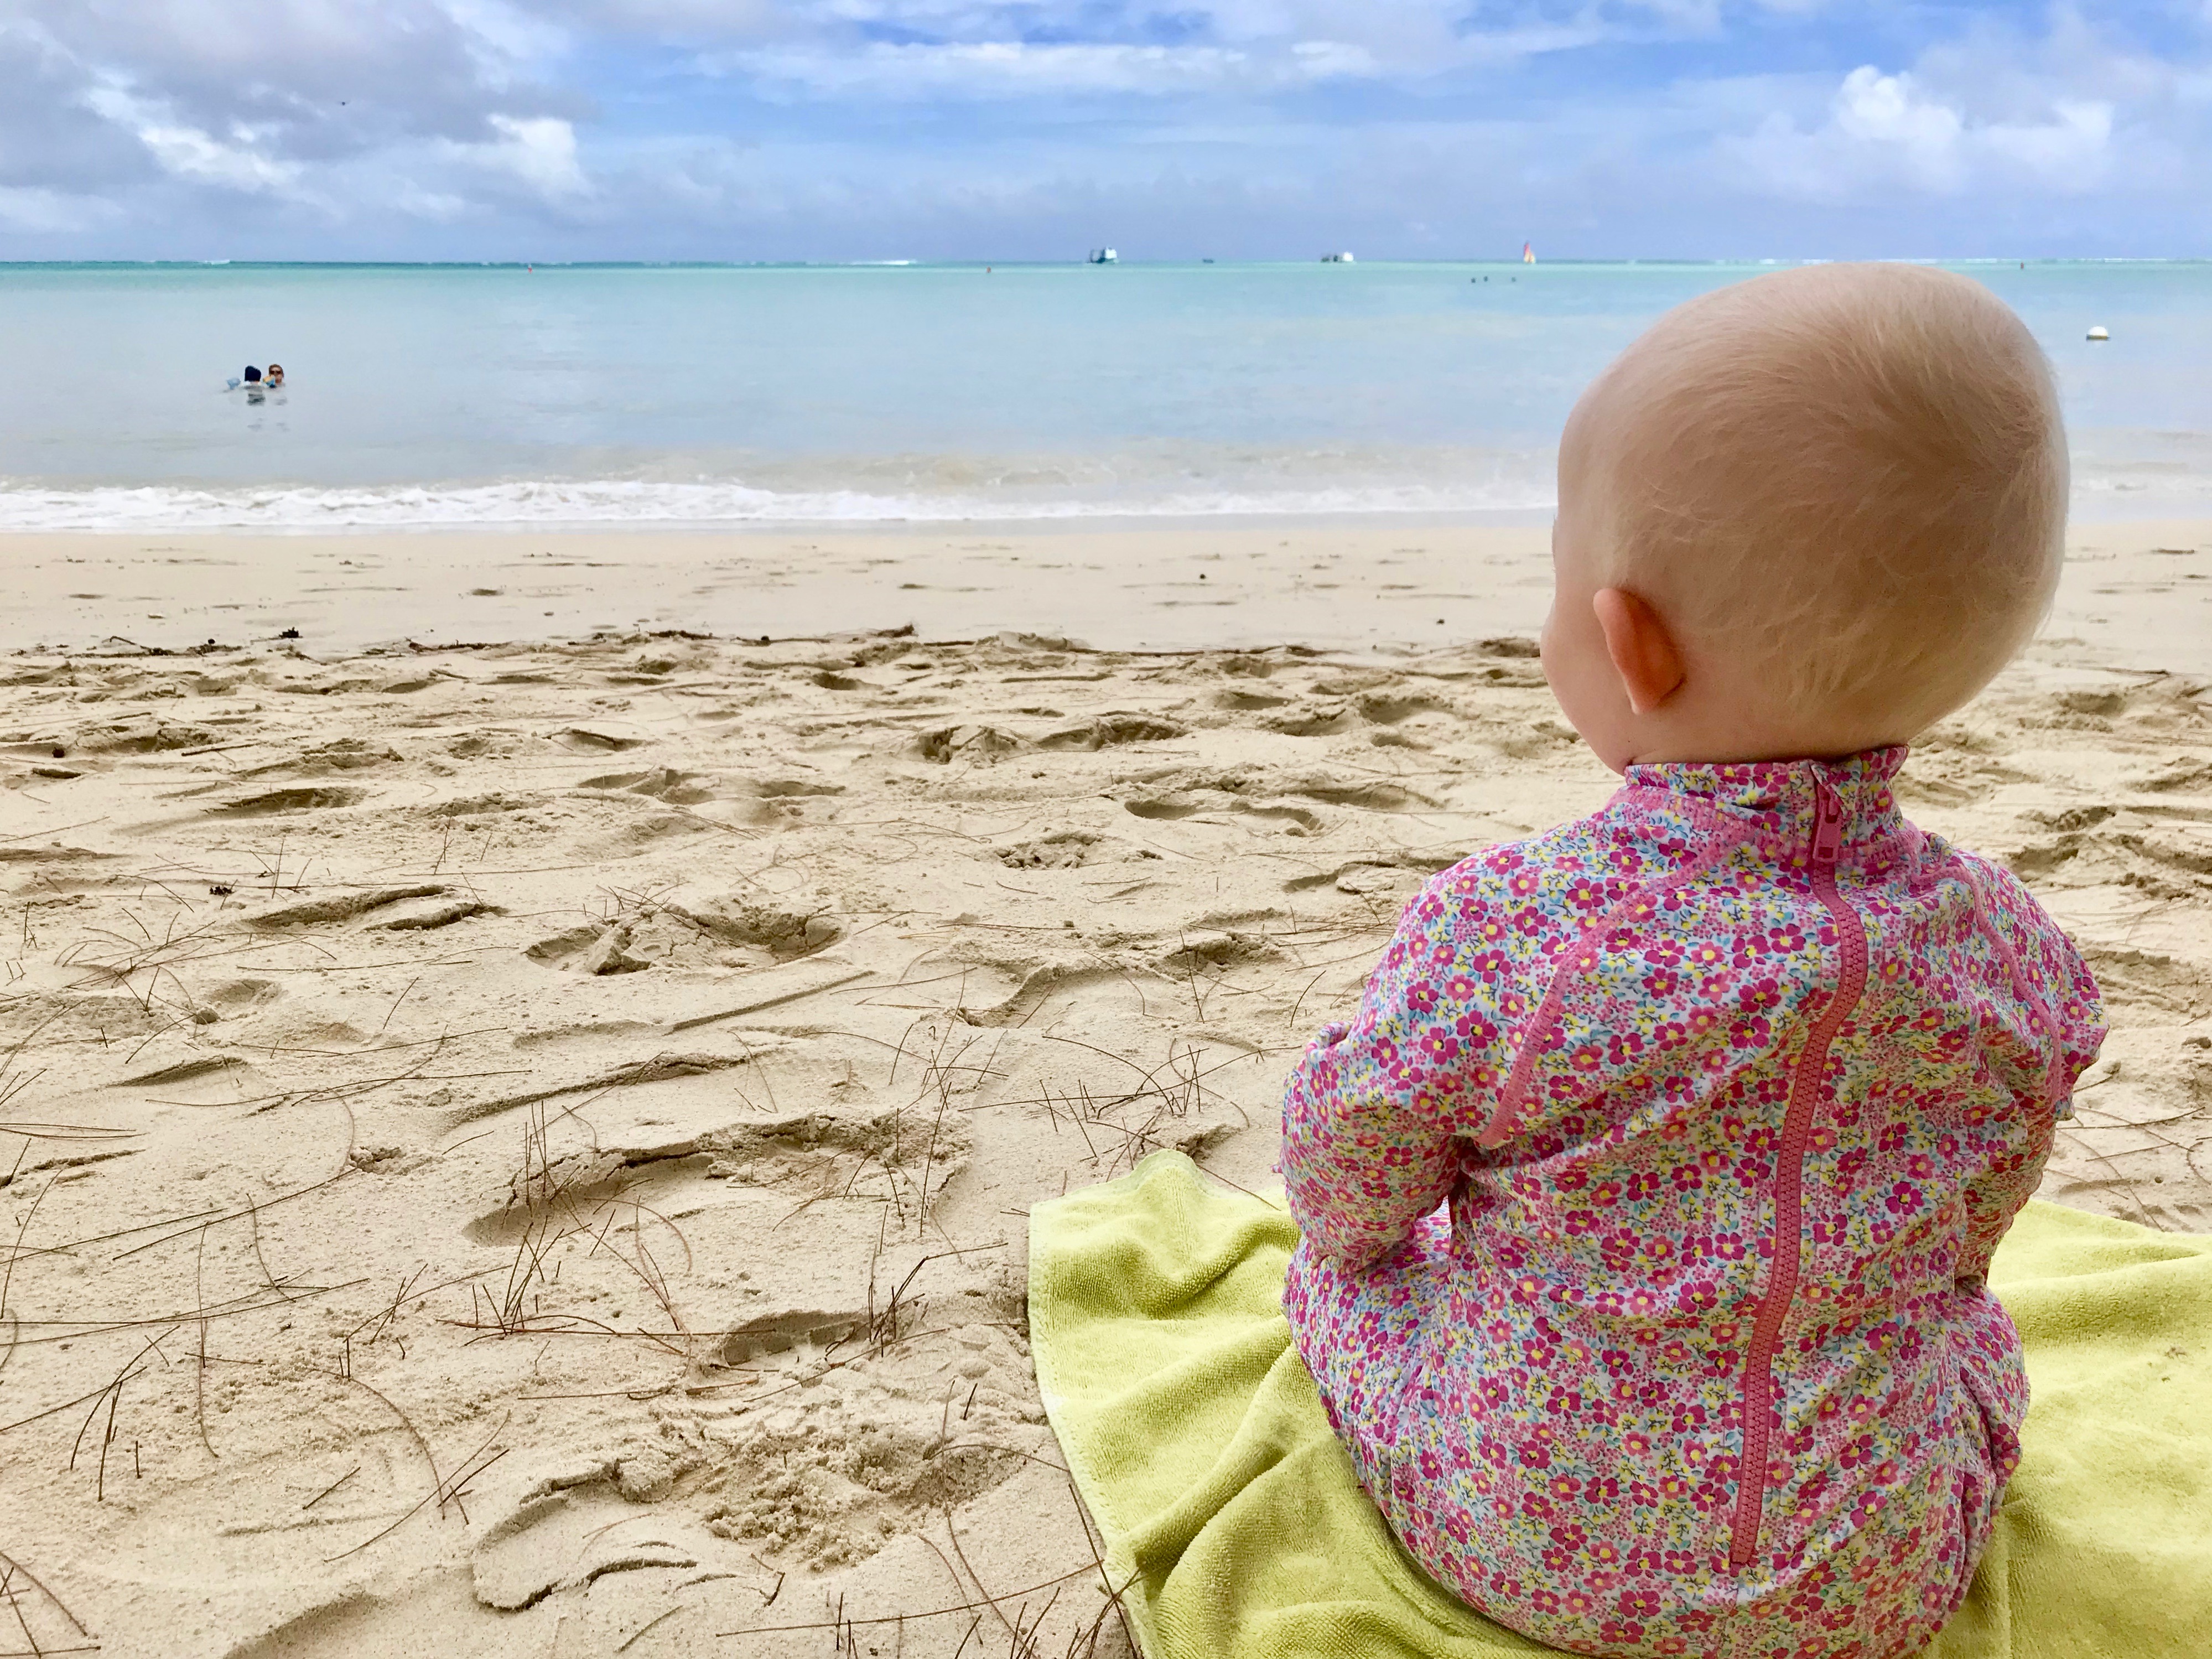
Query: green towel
[[1232, 1513]]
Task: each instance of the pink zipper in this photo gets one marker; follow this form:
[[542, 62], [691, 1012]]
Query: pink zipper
[[1789, 1179]]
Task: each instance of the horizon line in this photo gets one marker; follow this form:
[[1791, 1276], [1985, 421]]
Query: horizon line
[[1513, 262]]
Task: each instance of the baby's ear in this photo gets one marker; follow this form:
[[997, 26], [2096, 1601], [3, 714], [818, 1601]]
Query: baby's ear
[[1643, 650]]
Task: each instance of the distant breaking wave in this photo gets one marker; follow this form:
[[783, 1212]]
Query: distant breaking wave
[[2117, 475], [609, 503]]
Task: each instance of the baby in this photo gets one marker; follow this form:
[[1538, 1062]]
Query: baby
[[1729, 1090]]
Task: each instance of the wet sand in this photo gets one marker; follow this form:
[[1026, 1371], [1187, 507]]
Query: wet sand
[[2134, 593]]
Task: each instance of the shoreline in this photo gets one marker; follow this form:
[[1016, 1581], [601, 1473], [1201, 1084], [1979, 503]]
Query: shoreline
[[2134, 593]]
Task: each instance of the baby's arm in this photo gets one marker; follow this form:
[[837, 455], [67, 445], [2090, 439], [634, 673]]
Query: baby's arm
[[1370, 1116], [2051, 978]]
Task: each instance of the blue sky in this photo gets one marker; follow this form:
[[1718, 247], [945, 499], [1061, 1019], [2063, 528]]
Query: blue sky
[[973, 129]]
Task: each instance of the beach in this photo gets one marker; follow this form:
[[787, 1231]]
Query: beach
[[572, 876], [528, 1098], [2135, 592]]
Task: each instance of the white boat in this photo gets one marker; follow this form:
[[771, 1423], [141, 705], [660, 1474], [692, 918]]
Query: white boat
[[1104, 256], [1337, 259]]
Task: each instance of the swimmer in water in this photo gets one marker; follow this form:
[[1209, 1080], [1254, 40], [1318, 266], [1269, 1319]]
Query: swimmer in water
[[275, 380]]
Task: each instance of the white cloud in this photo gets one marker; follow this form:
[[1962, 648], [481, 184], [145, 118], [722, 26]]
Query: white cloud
[[2072, 150], [1890, 131], [1016, 69], [46, 212], [441, 207], [539, 150], [1326, 59], [191, 154], [1887, 112], [996, 50]]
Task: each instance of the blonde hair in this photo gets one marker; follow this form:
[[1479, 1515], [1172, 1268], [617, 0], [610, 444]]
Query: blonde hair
[[1855, 474]]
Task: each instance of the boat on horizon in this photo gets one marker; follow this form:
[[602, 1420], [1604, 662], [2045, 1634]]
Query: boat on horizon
[[1103, 256], [1337, 259]]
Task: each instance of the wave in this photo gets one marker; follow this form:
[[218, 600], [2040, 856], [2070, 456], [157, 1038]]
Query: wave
[[557, 503], [2115, 475]]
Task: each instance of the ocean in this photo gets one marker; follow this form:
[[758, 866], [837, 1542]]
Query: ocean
[[670, 396]]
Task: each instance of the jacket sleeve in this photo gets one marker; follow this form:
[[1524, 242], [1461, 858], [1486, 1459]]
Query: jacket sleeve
[[1374, 1113], [2041, 1039]]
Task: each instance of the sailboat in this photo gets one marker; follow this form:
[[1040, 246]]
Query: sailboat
[[1528, 253]]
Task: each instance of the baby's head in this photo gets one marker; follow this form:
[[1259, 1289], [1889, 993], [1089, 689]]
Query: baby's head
[[1808, 514]]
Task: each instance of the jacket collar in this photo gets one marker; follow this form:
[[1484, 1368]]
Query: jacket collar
[[1785, 792]]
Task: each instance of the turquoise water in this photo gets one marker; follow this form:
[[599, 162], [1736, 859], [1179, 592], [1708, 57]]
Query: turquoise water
[[438, 395]]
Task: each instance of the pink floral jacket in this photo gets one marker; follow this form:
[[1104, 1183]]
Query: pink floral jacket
[[1731, 1090]]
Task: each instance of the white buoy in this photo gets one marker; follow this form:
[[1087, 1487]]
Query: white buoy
[[2100, 332]]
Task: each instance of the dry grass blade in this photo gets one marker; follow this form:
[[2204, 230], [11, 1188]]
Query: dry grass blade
[[111, 1393], [841, 1623], [11, 1571], [442, 1493]]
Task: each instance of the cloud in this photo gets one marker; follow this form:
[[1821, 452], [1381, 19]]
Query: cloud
[[539, 150], [1889, 131], [1016, 69], [47, 212], [991, 50], [1889, 112], [191, 154], [1021, 128]]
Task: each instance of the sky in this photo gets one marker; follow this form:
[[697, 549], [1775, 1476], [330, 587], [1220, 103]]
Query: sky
[[1008, 129]]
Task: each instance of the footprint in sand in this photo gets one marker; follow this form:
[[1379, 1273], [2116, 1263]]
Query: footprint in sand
[[715, 934], [1111, 731], [1327, 721], [664, 783], [578, 738], [1068, 849], [968, 742], [287, 801], [1160, 809]]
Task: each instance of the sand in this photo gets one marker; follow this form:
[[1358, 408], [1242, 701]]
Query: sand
[[524, 1149], [2137, 592]]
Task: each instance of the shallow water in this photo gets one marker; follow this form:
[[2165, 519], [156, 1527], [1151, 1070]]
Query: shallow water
[[451, 395]]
